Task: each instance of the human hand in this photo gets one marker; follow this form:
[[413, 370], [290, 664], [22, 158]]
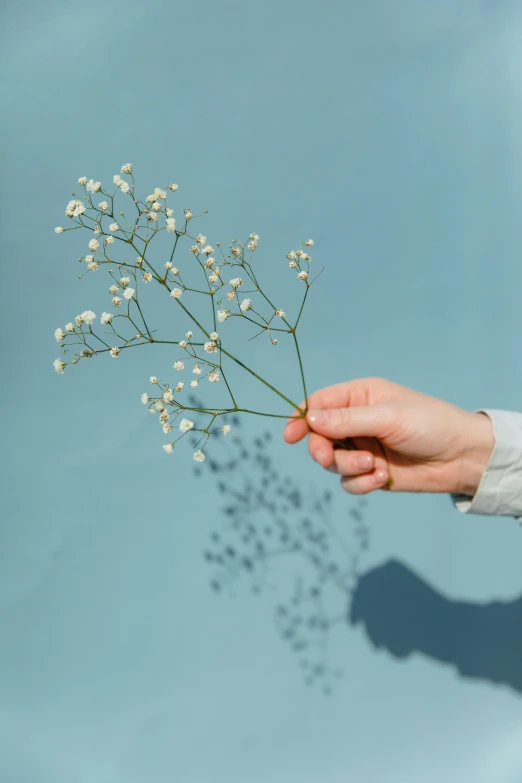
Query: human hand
[[403, 439]]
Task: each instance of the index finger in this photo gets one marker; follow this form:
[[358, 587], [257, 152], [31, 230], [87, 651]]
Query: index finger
[[340, 395]]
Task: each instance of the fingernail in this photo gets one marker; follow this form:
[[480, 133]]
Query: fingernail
[[380, 477], [318, 456], [318, 417], [364, 462]]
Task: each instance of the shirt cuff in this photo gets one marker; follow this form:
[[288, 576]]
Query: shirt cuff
[[500, 489]]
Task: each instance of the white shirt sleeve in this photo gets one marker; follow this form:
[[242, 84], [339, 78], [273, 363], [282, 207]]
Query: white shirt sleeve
[[500, 489]]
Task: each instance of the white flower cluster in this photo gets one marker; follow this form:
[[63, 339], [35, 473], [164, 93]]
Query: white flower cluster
[[112, 231]]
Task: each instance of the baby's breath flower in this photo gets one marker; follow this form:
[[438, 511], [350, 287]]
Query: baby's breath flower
[[225, 429], [164, 417], [245, 305], [214, 336], [209, 262], [108, 240], [299, 253], [173, 186], [194, 383], [167, 428], [106, 318], [189, 335], [94, 245], [236, 282], [179, 386], [126, 168], [157, 194], [185, 425], [170, 224], [58, 230], [213, 376], [168, 265], [168, 395], [292, 264], [117, 180], [124, 282], [213, 278], [236, 251], [156, 206], [194, 249], [168, 448], [274, 341], [176, 293], [75, 208], [59, 335], [252, 245], [59, 366], [103, 205], [69, 327], [208, 250], [199, 456], [124, 186], [114, 352], [197, 369], [92, 186], [302, 275], [179, 365], [114, 227], [88, 316], [92, 265], [147, 277], [169, 212], [82, 181], [309, 242], [145, 398], [182, 343], [116, 301], [291, 255], [175, 270], [152, 217], [231, 295], [187, 213], [153, 379], [97, 229], [128, 293], [280, 313], [139, 261], [200, 239], [210, 347], [78, 320]]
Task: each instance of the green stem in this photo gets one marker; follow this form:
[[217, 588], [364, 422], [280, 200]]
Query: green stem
[[301, 370]]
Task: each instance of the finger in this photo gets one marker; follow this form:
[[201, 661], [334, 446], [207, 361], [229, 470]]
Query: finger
[[353, 463], [340, 395], [321, 450], [364, 421], [296, 430], [362, 485]]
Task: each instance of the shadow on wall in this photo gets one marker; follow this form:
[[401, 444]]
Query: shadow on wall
[[404, 614], [279, 535]]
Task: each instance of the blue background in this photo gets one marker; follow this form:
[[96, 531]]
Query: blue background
[[391, 133]]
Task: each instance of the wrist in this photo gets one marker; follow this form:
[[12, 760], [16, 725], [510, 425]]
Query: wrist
[[478, 448]]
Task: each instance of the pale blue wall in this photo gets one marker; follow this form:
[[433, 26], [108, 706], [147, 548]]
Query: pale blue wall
[[391, 133]]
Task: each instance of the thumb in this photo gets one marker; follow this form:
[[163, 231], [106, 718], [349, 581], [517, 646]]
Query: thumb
[[356, 422]]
